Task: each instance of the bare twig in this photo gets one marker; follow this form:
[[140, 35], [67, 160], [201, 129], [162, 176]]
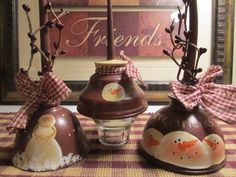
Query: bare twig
[[55, 22], [183, 42], [64, 12]]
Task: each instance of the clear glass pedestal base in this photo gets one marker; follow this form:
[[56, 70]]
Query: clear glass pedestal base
[[114, 132]]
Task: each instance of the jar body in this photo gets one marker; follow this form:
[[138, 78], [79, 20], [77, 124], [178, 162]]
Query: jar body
[[53, 139], [112, 101], [114, 132], [183, 141]]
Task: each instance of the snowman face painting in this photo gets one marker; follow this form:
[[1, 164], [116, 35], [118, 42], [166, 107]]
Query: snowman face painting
[[42, 152], [184, 150], [151, 140], [216, 148], [45, 130], [113, 92]]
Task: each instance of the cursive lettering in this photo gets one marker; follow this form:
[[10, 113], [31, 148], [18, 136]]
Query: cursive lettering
[[93, 31], [179, 122]]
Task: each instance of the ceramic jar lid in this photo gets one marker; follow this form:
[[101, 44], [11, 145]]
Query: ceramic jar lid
[[111, 95]]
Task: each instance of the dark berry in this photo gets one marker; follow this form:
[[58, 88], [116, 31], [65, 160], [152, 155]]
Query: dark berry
[[49, 5], [26, 7], [47, 53], [49, 24], [56, 45], [53, 57], [34, 50], [60, 26], [32, 36], [62, 52]]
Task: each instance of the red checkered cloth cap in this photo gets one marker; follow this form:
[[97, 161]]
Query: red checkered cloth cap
[[49, 89], [218, 100], [107, 70]]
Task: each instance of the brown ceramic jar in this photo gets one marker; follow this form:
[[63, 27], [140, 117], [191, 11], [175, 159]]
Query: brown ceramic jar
[[113, 100], [53, 139], [183, 141]]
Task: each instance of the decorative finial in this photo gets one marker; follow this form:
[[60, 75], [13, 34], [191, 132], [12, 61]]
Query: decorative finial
[[110, 34]]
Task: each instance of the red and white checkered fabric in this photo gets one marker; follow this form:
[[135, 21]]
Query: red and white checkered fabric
[[49, 89], [107, 70], [217, 100], [129, 69]]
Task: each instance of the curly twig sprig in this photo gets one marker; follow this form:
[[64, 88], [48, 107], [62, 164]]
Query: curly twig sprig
[[48, 57], [182, 42]]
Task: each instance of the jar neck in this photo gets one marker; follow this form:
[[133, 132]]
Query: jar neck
[[110, 70], [48, 104], [178, 106]]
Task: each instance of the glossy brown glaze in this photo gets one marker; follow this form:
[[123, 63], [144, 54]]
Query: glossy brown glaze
[[69, 133], [176, 118], [176, 169], [92, 104]]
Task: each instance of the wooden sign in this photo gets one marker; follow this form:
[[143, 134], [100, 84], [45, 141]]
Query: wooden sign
[[84, 3], [138, 31]]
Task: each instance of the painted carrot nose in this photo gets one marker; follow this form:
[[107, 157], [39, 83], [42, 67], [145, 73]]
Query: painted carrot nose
[[186, 144], [211, 144], [115, 91]]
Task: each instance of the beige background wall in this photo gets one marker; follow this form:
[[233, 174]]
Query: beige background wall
[[234, 59], [24, 48]]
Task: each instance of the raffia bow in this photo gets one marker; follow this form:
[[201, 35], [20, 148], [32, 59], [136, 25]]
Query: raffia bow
[[49, 89], [217, 100]]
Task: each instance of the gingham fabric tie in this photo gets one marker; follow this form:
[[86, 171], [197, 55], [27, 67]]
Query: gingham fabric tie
[[129, 69], [108, 70], [49, 89], [217, 100]]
